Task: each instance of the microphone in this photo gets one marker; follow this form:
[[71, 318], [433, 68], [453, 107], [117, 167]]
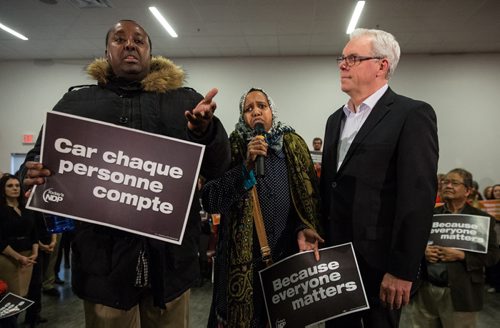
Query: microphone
[[259, 161]]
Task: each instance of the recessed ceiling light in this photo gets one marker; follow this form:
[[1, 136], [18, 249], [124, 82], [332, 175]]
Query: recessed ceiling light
[[163, 21]]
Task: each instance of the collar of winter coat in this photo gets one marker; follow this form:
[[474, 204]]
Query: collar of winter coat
[[163, 75]]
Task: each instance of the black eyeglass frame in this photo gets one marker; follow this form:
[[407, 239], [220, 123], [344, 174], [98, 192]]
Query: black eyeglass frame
[[454, 183], [352, 60]]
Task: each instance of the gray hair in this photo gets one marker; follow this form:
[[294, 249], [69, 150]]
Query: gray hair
[[384, 44], [465, 175]]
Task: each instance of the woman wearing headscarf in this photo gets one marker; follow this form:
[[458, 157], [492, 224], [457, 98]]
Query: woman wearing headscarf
[[288, 197]]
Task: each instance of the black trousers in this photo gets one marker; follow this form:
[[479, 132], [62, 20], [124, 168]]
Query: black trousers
[[35, 289], [375, 317], [9, 322]]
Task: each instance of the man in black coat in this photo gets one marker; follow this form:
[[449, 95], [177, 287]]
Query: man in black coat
[[127, 280], [378, 183]]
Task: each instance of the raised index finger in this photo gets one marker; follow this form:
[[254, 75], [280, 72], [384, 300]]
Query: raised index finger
[[210, 95]]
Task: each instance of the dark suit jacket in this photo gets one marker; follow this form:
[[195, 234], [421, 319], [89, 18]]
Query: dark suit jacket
[[382, 197], [466, 278]]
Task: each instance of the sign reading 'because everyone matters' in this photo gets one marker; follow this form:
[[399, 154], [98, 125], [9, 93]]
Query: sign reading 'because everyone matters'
[[119, 177], [300, 291], [12, 304], [461, 231]]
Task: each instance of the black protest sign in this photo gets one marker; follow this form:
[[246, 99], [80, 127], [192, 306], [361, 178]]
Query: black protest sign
[[12, 304], [118, 177], [300, 291], [461, 231]]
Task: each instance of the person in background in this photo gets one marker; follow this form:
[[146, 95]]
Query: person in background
[[475, 186], [204, 260], [495, 192], [316, 155], [48, 273], [452, 293], [493, 273], [378, 178], [317, 144], [18, 237], [440, 177], [127, 280], [474, 195], [46, 245], [288, 196], [64, 252], [488, 192]]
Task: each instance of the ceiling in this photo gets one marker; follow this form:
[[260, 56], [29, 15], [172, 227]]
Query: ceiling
[[213, 28]]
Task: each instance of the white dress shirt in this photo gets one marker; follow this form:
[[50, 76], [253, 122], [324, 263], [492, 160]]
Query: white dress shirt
[[355, 118]]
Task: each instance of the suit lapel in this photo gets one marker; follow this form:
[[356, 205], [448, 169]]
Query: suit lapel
[[377, 114], [335, 130]]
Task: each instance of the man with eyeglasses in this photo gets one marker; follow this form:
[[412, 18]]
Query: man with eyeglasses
[[453, 288], [378, 183]]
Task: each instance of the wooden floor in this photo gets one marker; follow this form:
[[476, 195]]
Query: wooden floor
[[67, 310]]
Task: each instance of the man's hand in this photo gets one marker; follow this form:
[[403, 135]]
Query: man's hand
[[47, 248], [448, 254], [35, 175], [432, 254], [27, 260], [44, 248], [200, 117], [308, 239], [394, 292]]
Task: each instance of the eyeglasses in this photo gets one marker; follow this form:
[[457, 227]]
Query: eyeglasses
[[454, 183], [352, 60]]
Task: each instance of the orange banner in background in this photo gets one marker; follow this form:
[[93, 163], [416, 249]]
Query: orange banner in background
[[491, 207]]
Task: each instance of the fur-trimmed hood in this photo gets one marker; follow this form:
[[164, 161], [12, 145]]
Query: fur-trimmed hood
[[163, 75]]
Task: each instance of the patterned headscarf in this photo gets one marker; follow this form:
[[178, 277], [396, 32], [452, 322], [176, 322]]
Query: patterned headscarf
[[274, 137]]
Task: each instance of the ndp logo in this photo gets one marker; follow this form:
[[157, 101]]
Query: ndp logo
[[52, 196]]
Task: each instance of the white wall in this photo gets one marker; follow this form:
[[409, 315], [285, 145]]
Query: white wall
[[463, 89]]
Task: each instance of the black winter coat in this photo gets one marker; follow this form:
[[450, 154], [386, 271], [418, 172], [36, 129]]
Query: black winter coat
[[104, 259]]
